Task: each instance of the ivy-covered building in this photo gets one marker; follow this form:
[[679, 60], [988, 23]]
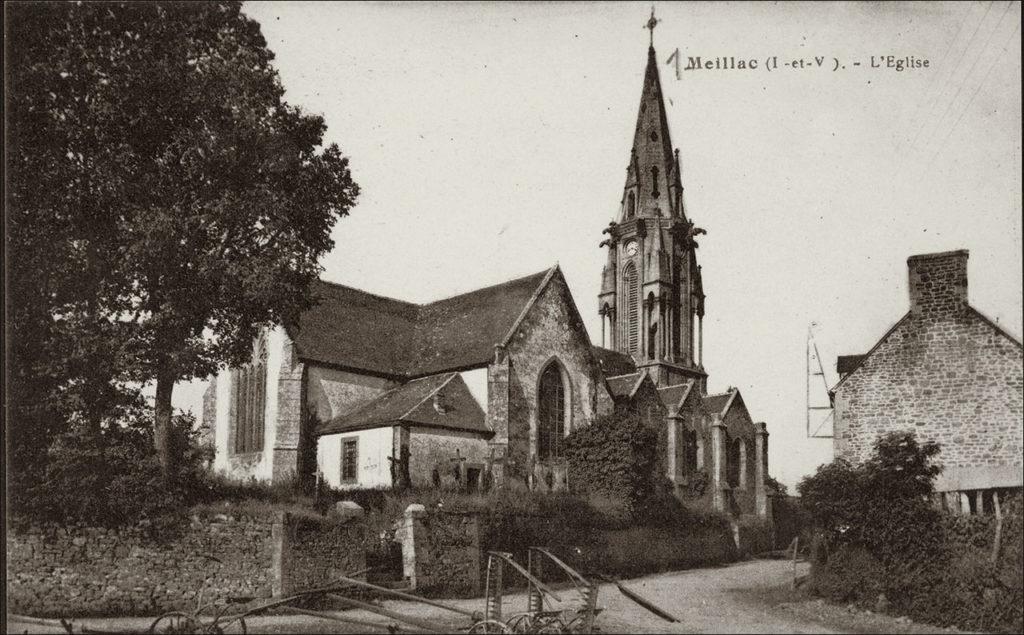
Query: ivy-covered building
[[481, 389]]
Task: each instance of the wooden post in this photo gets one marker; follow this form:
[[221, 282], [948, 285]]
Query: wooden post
[[996, 542], [796, 548]]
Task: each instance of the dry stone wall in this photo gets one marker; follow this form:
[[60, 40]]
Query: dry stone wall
[[957, 381], [90, 571]]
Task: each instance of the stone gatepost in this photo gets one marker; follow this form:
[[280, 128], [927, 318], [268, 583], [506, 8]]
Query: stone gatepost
[[718, 463], [761, 471], [410, 531]]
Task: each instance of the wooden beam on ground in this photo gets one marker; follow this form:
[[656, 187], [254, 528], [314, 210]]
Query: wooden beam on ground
[[380, 610], [409, 596]]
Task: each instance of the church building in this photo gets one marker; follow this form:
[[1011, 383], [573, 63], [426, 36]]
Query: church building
[[481, 389]]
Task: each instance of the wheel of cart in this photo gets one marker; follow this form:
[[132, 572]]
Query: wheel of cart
[[489, 626], [173, 622]]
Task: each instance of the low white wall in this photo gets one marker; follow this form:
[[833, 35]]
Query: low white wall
[[374, 448]]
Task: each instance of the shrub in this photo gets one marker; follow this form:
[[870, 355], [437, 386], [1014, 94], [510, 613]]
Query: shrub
[[614, 458], [850, 575], [111, 478], [878, 533]]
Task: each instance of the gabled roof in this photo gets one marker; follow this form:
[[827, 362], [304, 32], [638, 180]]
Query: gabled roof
[[614, 363], [719, 404], [674, 396], [863, 358], [361, 331], [439, 401], [625, 385]]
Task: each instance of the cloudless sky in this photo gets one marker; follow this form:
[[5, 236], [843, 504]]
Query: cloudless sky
[[491, 140]]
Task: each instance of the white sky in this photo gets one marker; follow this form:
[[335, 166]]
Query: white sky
[[490, 141]]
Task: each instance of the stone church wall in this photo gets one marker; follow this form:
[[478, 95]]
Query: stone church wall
[[431, 448], [550, 331], [332, 392], [740, 426]]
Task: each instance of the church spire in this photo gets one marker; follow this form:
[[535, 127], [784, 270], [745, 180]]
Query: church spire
[[650, 180]]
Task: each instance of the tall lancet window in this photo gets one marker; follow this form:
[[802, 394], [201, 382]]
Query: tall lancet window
[[630, 286], [249, 400], [654, 181], [551, 413], [631, 206]]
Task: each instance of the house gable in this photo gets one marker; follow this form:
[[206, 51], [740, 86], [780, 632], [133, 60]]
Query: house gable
[[956, 381]]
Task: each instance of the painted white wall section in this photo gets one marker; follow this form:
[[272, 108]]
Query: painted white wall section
[[222, 421], [374, 448], [276, 340]]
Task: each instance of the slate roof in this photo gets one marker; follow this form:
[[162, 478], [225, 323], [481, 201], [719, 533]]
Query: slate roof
[[614, 363], [624, 385], [673, 396], [362, 331], [719, 404], [414, 403], [848, 363]]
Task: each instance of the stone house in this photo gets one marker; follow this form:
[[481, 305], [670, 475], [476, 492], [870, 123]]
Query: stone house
[[948, 373], [482, 387]]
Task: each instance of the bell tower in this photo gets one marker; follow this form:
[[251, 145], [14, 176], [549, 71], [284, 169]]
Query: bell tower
[[652, 300]]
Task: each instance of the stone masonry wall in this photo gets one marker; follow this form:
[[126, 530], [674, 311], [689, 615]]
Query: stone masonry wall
[[88, 571], [952, 378], [55, 571], [448, 554], [551, 330], [312, 552]]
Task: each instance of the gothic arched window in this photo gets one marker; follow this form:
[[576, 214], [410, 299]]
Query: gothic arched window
[[630, 287], [654, 181], [689, 452], [737, 467], [652, 327], [249, 400], [631, 206], [551, 413]]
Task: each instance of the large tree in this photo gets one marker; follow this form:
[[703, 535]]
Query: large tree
[[165, 201]]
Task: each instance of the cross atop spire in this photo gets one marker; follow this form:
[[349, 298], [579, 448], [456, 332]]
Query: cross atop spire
[[653, 22]]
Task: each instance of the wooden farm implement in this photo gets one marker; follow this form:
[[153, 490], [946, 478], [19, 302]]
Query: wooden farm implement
[[575, 615]]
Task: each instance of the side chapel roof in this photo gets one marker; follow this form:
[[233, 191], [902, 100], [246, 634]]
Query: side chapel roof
[[719, 404], [674, 396], [437, 401]]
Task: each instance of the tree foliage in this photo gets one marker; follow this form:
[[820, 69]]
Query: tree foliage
[[871, 504], [164, 201]]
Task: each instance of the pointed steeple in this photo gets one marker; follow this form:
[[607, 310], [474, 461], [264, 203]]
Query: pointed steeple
[[653, 173]]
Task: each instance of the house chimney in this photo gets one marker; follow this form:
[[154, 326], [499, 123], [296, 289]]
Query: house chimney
[[938, 283]]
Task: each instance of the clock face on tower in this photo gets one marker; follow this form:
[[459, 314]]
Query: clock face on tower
[[631, 248]]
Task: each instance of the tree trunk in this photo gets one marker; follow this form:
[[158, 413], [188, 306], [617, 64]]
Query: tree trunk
[[162, 425]]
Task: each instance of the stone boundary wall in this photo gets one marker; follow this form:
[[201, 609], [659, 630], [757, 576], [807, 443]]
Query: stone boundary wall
[[311, 552], [449, 556], [56, 571], [441, 552]]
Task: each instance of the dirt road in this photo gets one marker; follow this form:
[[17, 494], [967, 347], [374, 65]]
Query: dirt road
[[746, 597]]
